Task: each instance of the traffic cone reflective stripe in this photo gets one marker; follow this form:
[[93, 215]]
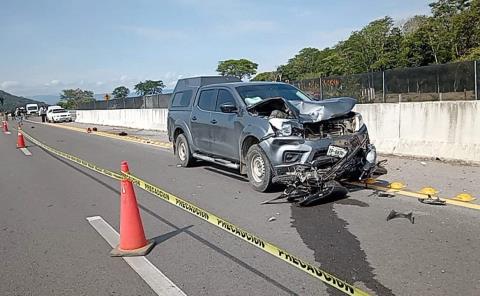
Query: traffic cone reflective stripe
[[20, 140], [132, 235]]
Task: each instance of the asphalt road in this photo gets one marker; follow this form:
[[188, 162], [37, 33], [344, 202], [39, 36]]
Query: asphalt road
[[48, 248]]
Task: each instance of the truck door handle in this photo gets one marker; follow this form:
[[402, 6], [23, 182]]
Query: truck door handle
[[194, 118], [213, 121]]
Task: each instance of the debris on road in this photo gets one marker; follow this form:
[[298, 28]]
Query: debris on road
[[432, 201], [122, 134], [94, 129], [386, 194], [382, 194], [271, 219], [394, 214]]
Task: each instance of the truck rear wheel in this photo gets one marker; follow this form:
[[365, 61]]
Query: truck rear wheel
[[182, 151], [258, 169]]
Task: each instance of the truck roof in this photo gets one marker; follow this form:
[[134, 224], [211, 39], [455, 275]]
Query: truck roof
[[196, 82], [242, 83]]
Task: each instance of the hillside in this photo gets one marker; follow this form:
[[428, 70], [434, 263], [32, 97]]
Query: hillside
[[11, 101]]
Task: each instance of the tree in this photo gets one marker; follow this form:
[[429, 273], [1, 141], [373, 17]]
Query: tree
[[241, 68], [72, 98], [448, 8], [265, 76], [452, 33], [149, 87], [414, 23], [120, 92], [367, 49]]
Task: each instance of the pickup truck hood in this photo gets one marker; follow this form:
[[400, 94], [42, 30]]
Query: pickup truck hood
[[310, 111], [323, 110]]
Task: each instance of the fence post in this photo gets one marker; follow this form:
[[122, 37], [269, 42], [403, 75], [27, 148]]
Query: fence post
[[476, 79], [321, 89], [383, 86]]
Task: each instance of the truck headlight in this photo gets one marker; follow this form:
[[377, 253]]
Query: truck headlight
[[281, 127], [286, 130], [358, 122]]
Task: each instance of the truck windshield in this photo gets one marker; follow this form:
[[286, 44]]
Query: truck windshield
[[252, 94]]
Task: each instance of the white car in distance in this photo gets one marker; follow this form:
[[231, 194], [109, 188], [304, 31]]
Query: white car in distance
[[58, 114]]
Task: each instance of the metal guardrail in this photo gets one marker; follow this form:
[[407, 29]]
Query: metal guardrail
[[446, 82]]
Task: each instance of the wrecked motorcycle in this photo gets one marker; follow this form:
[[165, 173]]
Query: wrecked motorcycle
[[310, 183]]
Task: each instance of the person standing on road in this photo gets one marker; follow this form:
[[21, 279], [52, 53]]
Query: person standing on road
[[43, 113], [19, 116]]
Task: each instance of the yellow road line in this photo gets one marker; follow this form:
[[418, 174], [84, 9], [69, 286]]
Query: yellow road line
[[415, 195], [133, 139]]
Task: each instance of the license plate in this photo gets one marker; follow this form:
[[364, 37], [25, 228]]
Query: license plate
[[336, 151]]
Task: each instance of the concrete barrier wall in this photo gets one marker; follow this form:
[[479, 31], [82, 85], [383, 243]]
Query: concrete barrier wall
[[153, 119], [449, 130]]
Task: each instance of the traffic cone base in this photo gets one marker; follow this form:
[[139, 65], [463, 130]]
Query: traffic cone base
[[118, 252]]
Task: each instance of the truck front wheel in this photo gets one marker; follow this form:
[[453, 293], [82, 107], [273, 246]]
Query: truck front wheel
[[258, 169]]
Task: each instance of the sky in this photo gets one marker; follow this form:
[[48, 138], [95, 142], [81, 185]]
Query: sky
[[50, 45]]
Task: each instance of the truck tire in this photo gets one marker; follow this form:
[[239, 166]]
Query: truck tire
[[182, 151], [259, 170]]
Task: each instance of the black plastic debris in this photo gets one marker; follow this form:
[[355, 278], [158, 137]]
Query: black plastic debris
[[122, 134], [432, 201], [394, 214], [94, 129], [379, 193]]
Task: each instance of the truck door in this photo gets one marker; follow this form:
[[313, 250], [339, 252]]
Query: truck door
[[200, 120], [226, 126]]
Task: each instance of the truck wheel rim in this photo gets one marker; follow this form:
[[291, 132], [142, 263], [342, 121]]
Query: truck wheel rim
[[257, 168], [182, 151]]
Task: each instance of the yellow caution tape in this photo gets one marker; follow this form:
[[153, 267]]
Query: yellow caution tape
[[215, 220]]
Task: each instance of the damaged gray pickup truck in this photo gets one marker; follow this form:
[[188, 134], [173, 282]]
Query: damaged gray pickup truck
[[272, 132]]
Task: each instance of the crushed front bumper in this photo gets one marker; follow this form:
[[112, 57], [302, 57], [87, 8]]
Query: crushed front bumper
[[287, 152]]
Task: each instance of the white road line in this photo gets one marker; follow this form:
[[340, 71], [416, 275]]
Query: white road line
[[26, 152], [150, 274]]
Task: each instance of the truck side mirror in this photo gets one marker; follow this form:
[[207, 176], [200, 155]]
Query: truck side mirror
[[228, 108]]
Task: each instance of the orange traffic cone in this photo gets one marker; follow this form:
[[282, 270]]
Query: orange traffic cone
[[132, 236], [5, 127], [20, 140]]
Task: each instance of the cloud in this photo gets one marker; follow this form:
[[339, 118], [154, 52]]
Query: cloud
[[9, 84], [54, 82]]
